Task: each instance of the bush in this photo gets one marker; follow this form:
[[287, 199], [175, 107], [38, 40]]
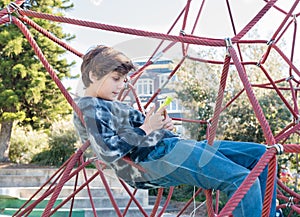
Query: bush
[[62, 144], [25, 143]]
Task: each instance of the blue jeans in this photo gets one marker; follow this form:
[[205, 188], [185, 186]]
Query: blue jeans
[[222, 166]]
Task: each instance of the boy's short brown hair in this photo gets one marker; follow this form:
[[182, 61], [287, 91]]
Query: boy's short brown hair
[[102, 60]]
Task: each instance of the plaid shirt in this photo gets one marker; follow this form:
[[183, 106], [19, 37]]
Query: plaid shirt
[[113, 130]]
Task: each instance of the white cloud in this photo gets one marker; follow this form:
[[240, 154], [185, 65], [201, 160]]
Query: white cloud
[[96, 2]]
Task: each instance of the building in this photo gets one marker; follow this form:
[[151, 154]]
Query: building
[[156, 77]]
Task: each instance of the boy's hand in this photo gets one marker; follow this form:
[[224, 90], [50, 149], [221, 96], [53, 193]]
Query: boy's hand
[[167, 120], [168, 123], [164, 105], [155, 121]]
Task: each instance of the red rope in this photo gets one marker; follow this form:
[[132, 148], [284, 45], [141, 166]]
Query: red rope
[[234, 29], [247, 183], [69, 99], [50, 36], [257, 109], [219, 100], [268, 158], [286, 59], [286, 18], [51, 189], [254, 20], [162, 211], [48, 67], [110, 195], [293, 129], [130, 31], [88, 187], [263, 122], [157, 202], [279, 92], [269, 187], [209, 203], [168, 79], [132, 198], [9, 9]]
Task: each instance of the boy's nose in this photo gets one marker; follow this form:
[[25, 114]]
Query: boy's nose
[[120, 85]]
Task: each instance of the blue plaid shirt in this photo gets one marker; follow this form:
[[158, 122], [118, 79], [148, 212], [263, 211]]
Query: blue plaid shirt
[[113, 130]]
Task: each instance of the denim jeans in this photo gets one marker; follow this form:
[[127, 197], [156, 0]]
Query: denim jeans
[[222, 166]]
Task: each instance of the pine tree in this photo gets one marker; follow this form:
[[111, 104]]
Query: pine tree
[[27, 93]]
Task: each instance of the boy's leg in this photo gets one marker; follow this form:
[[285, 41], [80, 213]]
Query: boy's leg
[[247, 154], [204, 166]]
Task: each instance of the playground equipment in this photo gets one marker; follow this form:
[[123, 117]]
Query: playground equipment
[[233, 56]]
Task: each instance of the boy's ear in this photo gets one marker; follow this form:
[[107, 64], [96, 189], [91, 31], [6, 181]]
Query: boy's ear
[[93, 78]]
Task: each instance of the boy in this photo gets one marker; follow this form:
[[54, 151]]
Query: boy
[[116, 130]]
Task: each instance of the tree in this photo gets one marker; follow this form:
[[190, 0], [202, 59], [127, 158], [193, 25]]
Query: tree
[[27, 93], [199, 86], [196, 90]]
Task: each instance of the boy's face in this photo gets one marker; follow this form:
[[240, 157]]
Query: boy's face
[[108, 87]]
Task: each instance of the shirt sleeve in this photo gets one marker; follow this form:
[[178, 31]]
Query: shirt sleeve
[[136, 117], [114, 135]]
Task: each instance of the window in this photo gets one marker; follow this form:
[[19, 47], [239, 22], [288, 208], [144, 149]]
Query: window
[[144, 86], [175, 106], [162, 79], [174, 78]]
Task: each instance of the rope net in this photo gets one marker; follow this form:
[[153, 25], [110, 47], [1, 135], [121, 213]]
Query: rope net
[[14, 14]]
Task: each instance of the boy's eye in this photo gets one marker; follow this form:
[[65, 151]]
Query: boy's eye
[[116, 78]]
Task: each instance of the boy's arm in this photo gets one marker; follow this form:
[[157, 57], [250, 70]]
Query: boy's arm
[[106, 141], [110, 139]]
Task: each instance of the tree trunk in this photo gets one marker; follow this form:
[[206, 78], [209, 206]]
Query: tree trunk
[[5, 135]]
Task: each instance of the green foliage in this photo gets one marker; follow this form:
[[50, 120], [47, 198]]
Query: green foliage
[[28, 95], [25, 143], [199, 83], [62, 143], [196, 90], [241, 124], [25, 85], [196, 99], [50, 148], [185, 192]]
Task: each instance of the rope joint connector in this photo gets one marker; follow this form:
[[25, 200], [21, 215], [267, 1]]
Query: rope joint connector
[[289, 78], [295, 18], [228, 44], [297, 119], [208, 122], [270, 42], [279, 148], [182, 32], [9, 14], [290, 202], [258, 64], [15, 7]]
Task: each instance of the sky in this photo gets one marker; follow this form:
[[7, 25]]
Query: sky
[[159, 15]]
